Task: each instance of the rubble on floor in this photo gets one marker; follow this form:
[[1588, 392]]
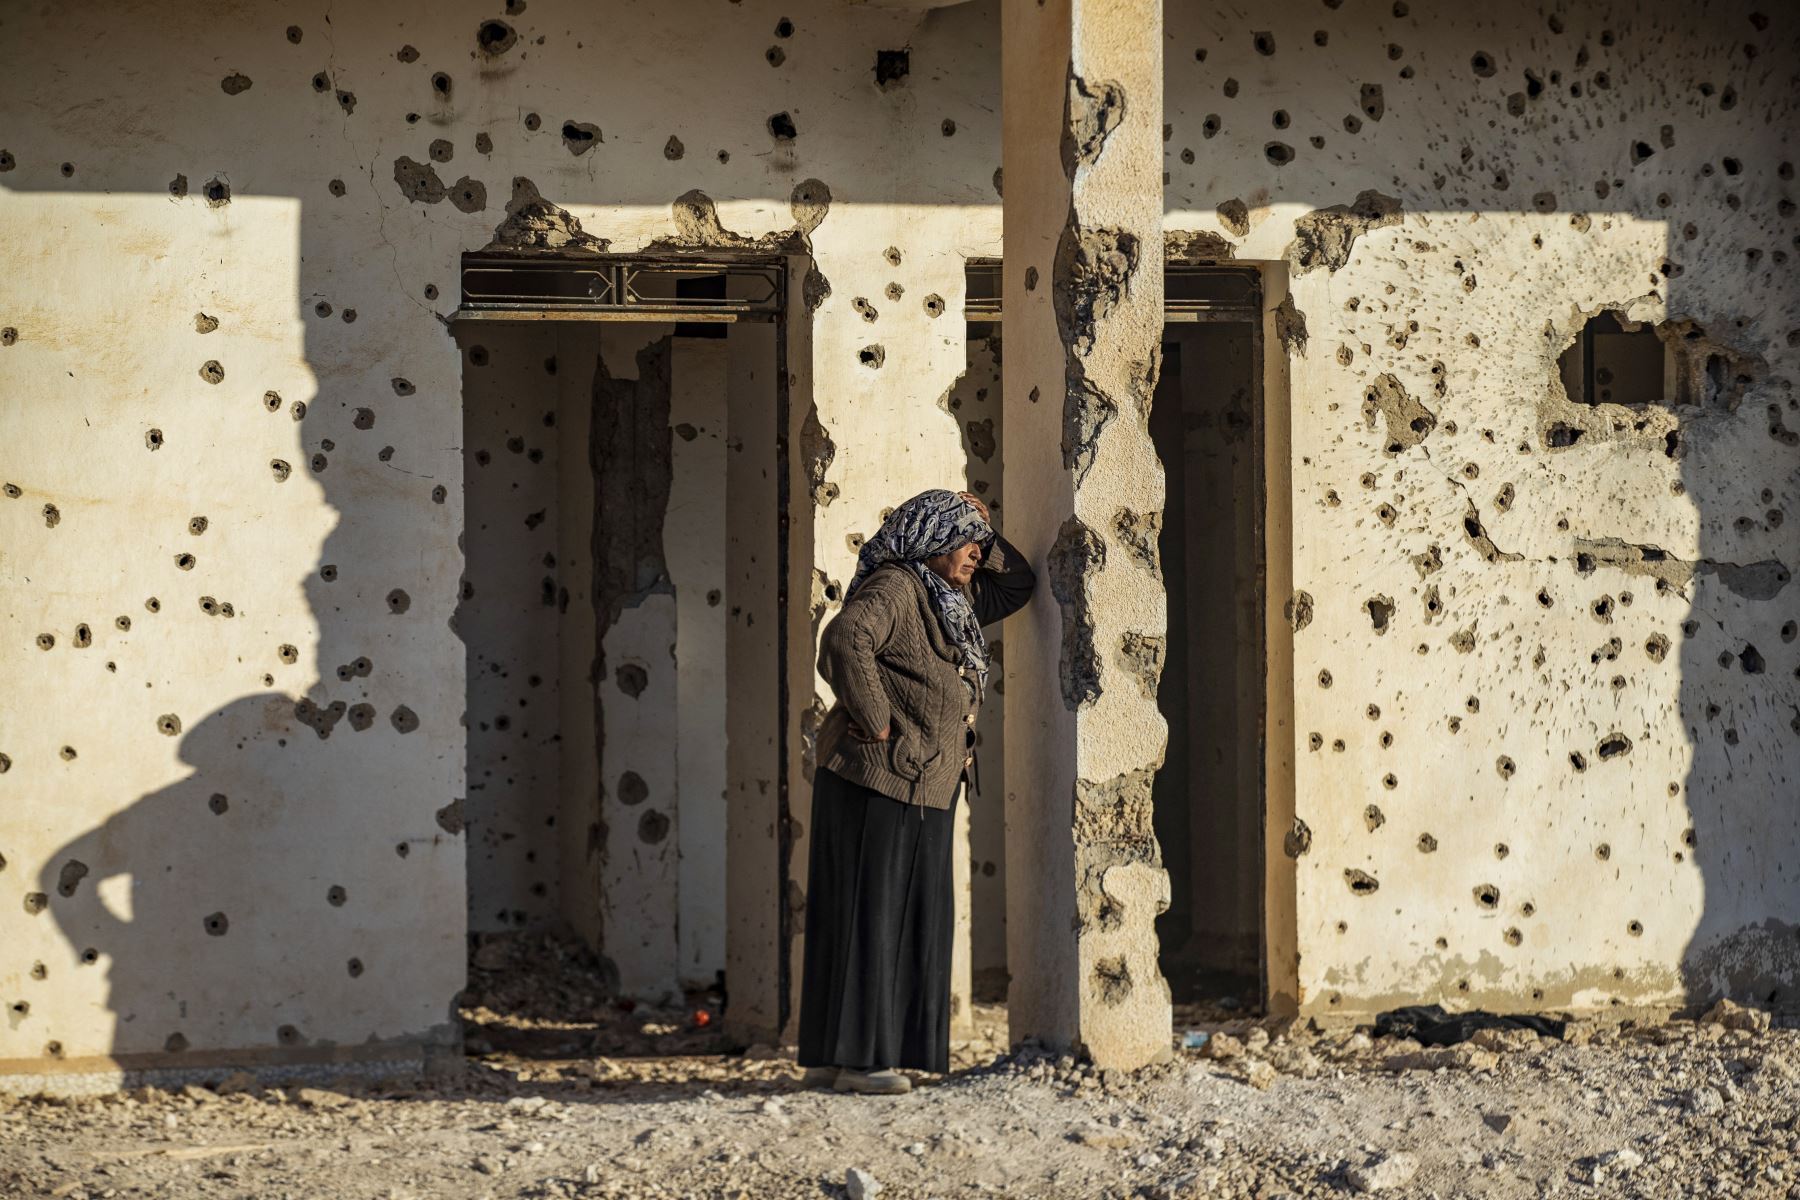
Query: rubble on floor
[[1263, 1109]]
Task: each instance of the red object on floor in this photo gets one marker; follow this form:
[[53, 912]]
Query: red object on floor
[[702, 1018]]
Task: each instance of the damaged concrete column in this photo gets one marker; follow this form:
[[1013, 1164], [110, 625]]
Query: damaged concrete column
[[1082, 186]]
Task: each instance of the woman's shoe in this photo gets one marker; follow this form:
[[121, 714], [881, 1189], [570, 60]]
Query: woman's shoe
[[872, 1083], [819, 1077]]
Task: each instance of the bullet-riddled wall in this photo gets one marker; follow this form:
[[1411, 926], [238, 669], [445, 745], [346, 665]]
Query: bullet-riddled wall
[[1554, 640]]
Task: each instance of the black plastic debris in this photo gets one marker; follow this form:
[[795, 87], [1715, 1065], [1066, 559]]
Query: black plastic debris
[[1430, 1025]]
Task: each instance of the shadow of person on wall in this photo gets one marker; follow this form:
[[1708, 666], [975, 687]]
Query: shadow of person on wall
[[211, 912]]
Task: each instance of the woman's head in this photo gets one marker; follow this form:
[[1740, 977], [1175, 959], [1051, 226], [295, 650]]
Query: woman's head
[[945, 532]]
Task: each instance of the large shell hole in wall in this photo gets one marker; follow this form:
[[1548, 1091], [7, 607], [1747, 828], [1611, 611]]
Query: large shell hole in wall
[[621, 617]]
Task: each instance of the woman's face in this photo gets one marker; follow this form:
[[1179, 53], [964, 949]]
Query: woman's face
[[958, 566]]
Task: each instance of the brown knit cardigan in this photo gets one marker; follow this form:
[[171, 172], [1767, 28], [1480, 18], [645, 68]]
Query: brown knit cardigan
[[886, 657]]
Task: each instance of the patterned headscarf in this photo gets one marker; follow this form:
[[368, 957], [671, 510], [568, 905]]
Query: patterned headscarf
[[933, 523]]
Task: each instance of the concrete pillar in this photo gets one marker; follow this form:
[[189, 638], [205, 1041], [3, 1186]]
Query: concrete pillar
[[1082, 187]]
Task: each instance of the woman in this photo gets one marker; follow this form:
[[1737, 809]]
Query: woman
[[909, 665]]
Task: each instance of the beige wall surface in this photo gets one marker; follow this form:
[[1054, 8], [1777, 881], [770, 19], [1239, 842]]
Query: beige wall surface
[[1561, 772], [232, 238]]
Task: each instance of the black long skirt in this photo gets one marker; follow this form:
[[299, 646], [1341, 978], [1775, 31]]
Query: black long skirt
[[880, 916]]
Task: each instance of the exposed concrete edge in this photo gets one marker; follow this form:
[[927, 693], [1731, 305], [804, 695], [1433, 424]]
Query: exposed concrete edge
[[103, 1073]]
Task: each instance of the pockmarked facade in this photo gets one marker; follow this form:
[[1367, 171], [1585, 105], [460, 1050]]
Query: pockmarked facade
[[433, 438]]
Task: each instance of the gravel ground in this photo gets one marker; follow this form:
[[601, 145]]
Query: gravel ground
[[1687, 1108]]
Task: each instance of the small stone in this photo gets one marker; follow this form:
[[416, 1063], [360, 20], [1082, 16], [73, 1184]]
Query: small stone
[[319, 1098], [1498, 1122], [860, 1185], [1612, 1164], [235, 1083], [1259, 1074], [1703, 1101], [1223, 1045], [1735, 1016], [1383, 1171], [487, 1164], [1102, 1137]]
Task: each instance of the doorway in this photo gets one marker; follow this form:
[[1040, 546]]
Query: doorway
[[1207, 426], [624, 616]]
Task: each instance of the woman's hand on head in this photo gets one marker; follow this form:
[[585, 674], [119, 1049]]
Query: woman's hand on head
[[980, 507]]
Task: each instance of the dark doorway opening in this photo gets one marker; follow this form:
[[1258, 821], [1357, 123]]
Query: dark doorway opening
[[623, 609], [1206, 424]]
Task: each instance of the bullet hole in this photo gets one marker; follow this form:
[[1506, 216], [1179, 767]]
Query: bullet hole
[[1361, 883], [653, 827], [891, 66], [1487, 895], [495, 37], [1390, 781], [632, 789], [1373, 105], [67, 753], [7, 161], [1789, 630], [1386, 514], [1373, 817], [439, 494], [1614, 745], [775, 56], [1278, 153], [1513, 937], [1373, 712], [440, 83], [784, 28], [533, 122], [211, 371], [1483, 64], [123, 623], [1544, 599], [35, 903], [52, 516], [67, 169], [1578, 761], [867, 311], [1427, 844], [12, 491], [335, 896], [948, 128], [632, 679], [287, 1035], [70, 877], [404, 719], [398, 601], [673, 149], [46, 641], [1602, 610], [1281, 119], [781, 127], [1210, 127], [1264, 42], [215, 924], [1381, 611], [1324, 679], [84, 637], [1505, 766], [872, 356], [217, 193], [235, 84], [478, 356]]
